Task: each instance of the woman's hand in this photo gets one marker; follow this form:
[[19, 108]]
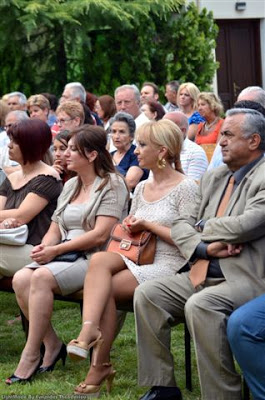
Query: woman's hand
[[58, 167], [10, 223], [43, 254], [132, 224]]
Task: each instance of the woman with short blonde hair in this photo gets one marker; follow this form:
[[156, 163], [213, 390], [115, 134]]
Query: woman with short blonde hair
[[38, 107], [211, 108], [70, 115]]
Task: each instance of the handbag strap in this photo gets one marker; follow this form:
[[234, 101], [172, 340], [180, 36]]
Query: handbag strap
[[139, 246]]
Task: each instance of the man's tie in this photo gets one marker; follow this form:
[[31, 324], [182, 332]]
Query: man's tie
[[199, 269]]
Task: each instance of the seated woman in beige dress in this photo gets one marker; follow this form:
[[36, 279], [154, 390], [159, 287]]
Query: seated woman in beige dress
[[28, 195], [89, 205], [113, 278]]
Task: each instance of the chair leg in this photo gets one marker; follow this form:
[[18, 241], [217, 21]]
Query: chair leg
[[187, 340], [25, 324]]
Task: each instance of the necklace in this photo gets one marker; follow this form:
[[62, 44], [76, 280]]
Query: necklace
[[85, 187], [207, 126]]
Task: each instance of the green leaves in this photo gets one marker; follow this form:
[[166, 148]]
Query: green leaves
[[103, 43]]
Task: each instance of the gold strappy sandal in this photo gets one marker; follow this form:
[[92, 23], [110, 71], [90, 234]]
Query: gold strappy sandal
[[78, 351], [94, 390]]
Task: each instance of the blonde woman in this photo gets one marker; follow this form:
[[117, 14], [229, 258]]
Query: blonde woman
[[38, 107], [112, 277], [70, 115], [210, 108], [187, 103]]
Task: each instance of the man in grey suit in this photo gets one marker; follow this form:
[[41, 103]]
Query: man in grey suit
[[234, 245]]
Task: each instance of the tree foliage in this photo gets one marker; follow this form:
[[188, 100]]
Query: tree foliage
[[103, 43]]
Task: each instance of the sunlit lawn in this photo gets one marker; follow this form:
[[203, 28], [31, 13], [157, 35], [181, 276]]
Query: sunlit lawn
[[61, 382]]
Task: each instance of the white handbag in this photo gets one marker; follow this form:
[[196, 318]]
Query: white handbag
[[14, 236]]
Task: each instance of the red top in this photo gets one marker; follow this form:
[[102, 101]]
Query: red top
[[211, 137]]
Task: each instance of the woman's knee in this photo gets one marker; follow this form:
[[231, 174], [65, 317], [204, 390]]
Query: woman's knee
[[105, 261], [21, 279], [42, 278]]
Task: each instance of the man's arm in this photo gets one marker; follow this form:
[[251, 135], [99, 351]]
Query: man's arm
[[248, 226]]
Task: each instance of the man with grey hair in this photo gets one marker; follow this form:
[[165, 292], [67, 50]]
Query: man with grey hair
[[17, 101], [128, 99], [12, 117], [193, 158], [223, 237], [76, 91], [251, 93], [73, 91]]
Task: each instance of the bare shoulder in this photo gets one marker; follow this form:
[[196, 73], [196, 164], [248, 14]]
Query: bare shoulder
[[15, 177], [48, 170]]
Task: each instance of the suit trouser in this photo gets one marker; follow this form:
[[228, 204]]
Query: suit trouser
[[158, 305], [246, 334]]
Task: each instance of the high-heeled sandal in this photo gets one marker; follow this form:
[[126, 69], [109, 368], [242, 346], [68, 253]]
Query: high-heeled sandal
[[16, 379], [94, 390], [77, 350], [60, 356]]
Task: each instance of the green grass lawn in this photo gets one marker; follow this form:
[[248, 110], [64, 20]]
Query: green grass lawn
[[61, 382]]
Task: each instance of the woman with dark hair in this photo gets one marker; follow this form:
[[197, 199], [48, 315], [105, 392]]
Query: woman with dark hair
[[29, 195], [60, 144], [122, 128], [153, 110], [112, 277], [105, 108], [89, 206]]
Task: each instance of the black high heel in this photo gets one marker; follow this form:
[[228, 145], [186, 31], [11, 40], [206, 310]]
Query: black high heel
[[16, 379], [60, 356]]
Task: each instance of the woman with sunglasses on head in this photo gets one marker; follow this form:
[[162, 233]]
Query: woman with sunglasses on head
[[89, 206]]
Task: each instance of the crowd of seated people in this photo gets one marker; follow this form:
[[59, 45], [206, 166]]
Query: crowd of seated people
[[71, 202]]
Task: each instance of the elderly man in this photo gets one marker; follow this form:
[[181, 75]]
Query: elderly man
[[12, 117], [223, 236], [127, 99], [251, 93], [17, 101], [73, 91], [149, 91], [76, 91], [171, 95], [193, 158]]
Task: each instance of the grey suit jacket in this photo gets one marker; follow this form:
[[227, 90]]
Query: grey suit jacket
[[243, 222]]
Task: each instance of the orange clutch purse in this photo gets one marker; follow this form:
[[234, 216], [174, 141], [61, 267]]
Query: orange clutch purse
[[139, 247]]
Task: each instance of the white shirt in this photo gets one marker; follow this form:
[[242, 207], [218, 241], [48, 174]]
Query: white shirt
[[140, 120], [193, 159]]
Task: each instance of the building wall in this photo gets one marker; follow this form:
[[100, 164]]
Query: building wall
[[225, 9]]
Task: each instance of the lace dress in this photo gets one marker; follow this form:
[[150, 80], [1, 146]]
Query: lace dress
[[168, 259]]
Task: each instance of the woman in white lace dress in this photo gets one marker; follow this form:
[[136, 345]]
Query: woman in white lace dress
[[113, 278]]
